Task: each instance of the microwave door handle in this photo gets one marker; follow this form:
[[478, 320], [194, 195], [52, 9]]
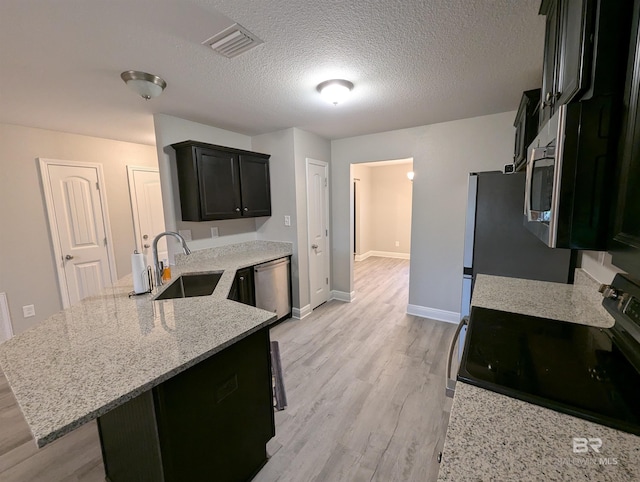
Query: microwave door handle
[[536, 153]]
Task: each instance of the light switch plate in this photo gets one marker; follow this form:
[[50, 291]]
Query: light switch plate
[[214, 232], [287, 220]]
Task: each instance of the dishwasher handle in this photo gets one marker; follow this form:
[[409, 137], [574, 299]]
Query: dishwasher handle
[[450, 383], [270, 264]]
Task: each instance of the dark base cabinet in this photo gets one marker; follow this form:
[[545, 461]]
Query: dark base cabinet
[[210, 422], [243, 288]]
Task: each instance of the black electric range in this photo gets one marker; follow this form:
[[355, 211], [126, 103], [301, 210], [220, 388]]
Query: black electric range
[[591, 373]]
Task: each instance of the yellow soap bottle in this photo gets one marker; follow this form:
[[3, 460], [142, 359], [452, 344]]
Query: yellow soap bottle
[[166, 271]]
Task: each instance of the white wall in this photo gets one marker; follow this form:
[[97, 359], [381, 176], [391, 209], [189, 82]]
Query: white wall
[[383, 209], [443, 155], [283, 195], [170, 130], [27, 269]]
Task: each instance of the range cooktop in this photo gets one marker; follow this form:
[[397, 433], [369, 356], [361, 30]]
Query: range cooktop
[[571, 368]]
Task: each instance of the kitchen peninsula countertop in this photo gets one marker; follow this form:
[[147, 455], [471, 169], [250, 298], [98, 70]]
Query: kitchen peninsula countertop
[[494, 437], [105, 350]]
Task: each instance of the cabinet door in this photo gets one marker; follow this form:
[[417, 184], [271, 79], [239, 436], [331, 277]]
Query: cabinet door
[[243, 289], [574, 49], [519, 150], [215, 418], [255, 186], [625, 246], [219, 180], [550, 9]]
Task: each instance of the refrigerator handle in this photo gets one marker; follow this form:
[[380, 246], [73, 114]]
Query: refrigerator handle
[[451, 384]]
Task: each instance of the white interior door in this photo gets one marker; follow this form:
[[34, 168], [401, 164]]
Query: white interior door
[[78, 226], [148, 214], [317, 219]]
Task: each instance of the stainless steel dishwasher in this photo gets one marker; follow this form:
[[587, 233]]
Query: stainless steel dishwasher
[[272, 286]]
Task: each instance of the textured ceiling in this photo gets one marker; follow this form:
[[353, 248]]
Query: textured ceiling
[[412, 63]]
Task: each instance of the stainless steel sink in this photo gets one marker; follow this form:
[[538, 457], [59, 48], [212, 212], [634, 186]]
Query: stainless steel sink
[[188, 285]]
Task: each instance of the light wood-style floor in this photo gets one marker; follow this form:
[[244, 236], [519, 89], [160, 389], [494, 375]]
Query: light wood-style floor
[[365, 387]]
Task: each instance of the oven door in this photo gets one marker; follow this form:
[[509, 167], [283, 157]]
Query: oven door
[[542, 190]]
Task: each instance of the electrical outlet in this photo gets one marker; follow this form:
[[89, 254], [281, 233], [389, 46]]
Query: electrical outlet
[[214, 232], [185, 233], [287, 220], [397, 244], [28, 311]]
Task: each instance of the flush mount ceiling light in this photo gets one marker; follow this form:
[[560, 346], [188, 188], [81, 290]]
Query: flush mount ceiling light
[[335, 90], [143, 84], [410, 175]]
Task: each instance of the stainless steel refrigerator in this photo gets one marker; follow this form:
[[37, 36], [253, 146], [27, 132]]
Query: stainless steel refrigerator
[[496, 240]]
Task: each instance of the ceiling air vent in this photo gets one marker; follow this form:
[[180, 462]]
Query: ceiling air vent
[[233, 41]]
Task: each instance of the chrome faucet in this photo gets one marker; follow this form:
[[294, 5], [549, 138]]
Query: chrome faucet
[[156, 263]]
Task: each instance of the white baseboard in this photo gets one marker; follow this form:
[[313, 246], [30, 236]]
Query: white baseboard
[[434, 313], [6, 329], [342, 296], [300, 313], [382, 254]]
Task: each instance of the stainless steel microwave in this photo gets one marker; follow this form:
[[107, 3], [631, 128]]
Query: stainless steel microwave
[[570, 168]]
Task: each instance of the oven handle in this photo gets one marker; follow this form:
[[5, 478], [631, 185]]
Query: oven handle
[[451, 384]]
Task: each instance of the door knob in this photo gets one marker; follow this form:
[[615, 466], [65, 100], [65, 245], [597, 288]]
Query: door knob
[[314, 246], [68, 257]]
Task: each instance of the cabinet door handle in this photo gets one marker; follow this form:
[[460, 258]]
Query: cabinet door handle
[[146, 246], [550, 99], [246, 209], [237, 210], [241, 278]]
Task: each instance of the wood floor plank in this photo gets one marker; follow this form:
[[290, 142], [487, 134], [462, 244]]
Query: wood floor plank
[[365, 386]]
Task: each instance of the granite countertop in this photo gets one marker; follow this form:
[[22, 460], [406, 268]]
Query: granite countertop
[[494, 437], [107, 349], [577, 303]]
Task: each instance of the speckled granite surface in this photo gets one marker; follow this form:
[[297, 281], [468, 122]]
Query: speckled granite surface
[[573, 303], [495, 437], [86, 360]]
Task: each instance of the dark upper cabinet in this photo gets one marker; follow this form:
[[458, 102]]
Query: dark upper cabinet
[[625, 244], [254, 185], [218, 182], [550, 10], [568, 52], [526, 125]]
